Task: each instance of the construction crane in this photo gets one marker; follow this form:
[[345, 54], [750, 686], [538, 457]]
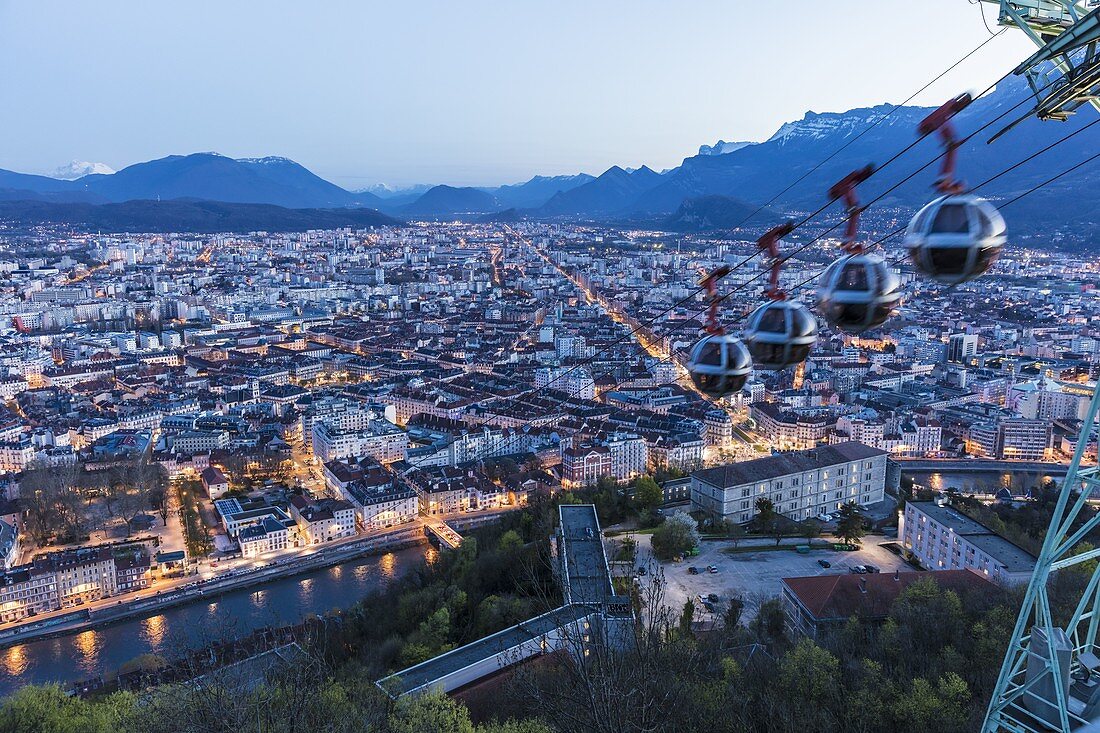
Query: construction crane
[[1050, 677]]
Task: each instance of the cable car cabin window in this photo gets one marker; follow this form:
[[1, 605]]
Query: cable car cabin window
[[854, 277], [951, 219], [768, 353], [732, 356], [710, 354], [802, 323], [799, 352], [949, 260], [847, 314], [707, 382], [773, 320]]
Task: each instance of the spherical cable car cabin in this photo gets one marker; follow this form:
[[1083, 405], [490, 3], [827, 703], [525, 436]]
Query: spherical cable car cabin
[[781, 332], [718, 363], [955, 238]]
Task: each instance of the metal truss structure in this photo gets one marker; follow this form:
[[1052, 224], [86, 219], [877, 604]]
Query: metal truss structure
[[1065, 72], [1050, 679]]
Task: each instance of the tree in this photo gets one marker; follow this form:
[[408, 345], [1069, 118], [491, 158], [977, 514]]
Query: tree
[[510, 543], [675, 536], [765, 511], [647, 494], [733, 531], [687, 616], [35, 709], [771, 620], [733, 612], [431, 711], [849, 528], [810, 529], [51, 500]]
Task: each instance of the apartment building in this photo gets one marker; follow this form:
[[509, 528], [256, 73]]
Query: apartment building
[[1015, 439], [585, 464], [265, 536], [622, 456], [801, 485], [383, 505], [325, 521], [380, 439], [792, 429], [70, 578], [942, 538]]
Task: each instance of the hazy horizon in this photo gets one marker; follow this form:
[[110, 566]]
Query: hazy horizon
[[483, 95]]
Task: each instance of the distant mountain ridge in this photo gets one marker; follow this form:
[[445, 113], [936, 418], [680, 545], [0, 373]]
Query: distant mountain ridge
[[702, 192], [208, 176]]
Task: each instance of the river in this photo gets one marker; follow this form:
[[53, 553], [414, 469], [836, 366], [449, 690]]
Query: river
[[981, 482], [95, 652]]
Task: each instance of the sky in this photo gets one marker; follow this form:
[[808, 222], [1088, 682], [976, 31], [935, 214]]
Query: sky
[[464, 93]]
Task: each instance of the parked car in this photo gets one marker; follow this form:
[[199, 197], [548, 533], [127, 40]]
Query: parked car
[[823, 517], [712, 568], [712, 597], [857, 570], [824, 563], [872, 568], [693, 570]]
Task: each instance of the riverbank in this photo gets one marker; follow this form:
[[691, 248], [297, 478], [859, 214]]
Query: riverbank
[[78, 621]]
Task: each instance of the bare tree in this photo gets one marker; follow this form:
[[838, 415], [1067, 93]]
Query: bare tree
[[52, 499]]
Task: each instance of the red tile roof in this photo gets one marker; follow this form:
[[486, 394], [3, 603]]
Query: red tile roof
[[833, 597]]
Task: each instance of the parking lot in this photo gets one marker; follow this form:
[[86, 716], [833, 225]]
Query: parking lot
[[754, 576]]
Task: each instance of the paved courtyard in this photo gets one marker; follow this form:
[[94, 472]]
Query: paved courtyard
[[754, 576]]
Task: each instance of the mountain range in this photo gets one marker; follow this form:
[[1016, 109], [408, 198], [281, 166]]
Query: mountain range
[[715, 189]]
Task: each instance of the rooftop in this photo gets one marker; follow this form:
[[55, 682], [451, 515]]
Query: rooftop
[[783, 464], [436, 668], [587, 578], [839, 597]]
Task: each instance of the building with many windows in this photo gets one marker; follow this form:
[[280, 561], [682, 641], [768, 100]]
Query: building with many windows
[[70, 578], [379, 439], [325, 521], [265, 536], [800, 485], [942, 538]]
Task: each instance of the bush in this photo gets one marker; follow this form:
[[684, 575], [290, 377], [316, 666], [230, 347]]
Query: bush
[[676, 536]]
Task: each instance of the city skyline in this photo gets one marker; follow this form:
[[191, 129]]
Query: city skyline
[[582, 89]]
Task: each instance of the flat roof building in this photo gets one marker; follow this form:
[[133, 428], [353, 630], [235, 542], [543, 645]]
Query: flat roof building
[[942, 538]]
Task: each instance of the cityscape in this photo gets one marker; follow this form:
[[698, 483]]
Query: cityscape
[[751, 443]]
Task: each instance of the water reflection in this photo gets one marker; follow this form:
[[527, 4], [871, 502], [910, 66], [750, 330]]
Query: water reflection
[[981, 482], [153, 630], [305, 591], [361, 573], [386, 564], [87, 646], [14, 661], [93, 653]]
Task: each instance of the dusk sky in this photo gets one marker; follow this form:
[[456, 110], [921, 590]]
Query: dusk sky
[[464, 93]]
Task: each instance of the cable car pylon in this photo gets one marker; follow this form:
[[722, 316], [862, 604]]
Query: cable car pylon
[[1049, 678]]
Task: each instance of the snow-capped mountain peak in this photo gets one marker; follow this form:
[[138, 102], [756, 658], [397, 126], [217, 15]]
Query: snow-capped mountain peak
[[266, 160], [815, 126], [78, 168]]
